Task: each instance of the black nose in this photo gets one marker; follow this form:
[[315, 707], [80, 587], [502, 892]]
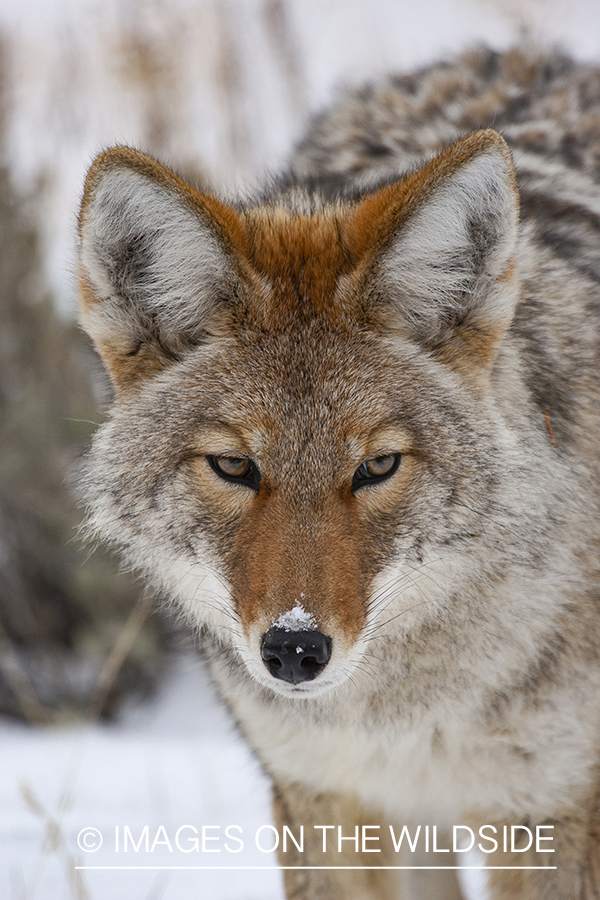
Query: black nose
[[295, 656]]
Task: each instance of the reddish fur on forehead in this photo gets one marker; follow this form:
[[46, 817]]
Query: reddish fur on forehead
[[302, 258]]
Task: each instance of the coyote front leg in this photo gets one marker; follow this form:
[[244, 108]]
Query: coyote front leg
[[294, 807]]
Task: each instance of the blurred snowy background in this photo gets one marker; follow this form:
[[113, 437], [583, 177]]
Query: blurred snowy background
[[106, 720]]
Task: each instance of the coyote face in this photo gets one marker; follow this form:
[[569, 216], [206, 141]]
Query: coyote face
[[300, 442]]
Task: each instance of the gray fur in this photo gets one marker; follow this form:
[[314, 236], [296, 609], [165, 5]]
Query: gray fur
[[472, 693]]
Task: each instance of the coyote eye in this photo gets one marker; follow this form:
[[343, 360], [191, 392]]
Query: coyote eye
[[375, 470], [237, 469]]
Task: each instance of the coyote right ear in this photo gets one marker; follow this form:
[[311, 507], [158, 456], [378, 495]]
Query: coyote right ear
[[442, 245], [157, 267]]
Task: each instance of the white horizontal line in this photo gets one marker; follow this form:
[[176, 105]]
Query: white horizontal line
[[312, 868]]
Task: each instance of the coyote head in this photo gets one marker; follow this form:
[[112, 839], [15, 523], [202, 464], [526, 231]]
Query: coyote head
[[302, 445]]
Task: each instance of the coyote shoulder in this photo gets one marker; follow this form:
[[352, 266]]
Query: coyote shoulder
[[356, 439]]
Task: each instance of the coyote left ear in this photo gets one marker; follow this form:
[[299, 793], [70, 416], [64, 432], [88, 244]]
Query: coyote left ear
[[158, 266], [444, 258]]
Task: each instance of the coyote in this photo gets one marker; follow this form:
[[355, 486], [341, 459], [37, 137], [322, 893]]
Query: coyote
[[355, 438]]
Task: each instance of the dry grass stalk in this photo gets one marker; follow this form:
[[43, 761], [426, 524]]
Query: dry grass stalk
[[54, 842], [18, 679], [119, 653]]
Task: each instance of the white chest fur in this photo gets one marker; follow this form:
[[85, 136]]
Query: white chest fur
[[445, 766]]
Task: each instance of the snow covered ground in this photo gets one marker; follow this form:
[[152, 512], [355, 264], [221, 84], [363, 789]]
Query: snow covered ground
[[174, 762]]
